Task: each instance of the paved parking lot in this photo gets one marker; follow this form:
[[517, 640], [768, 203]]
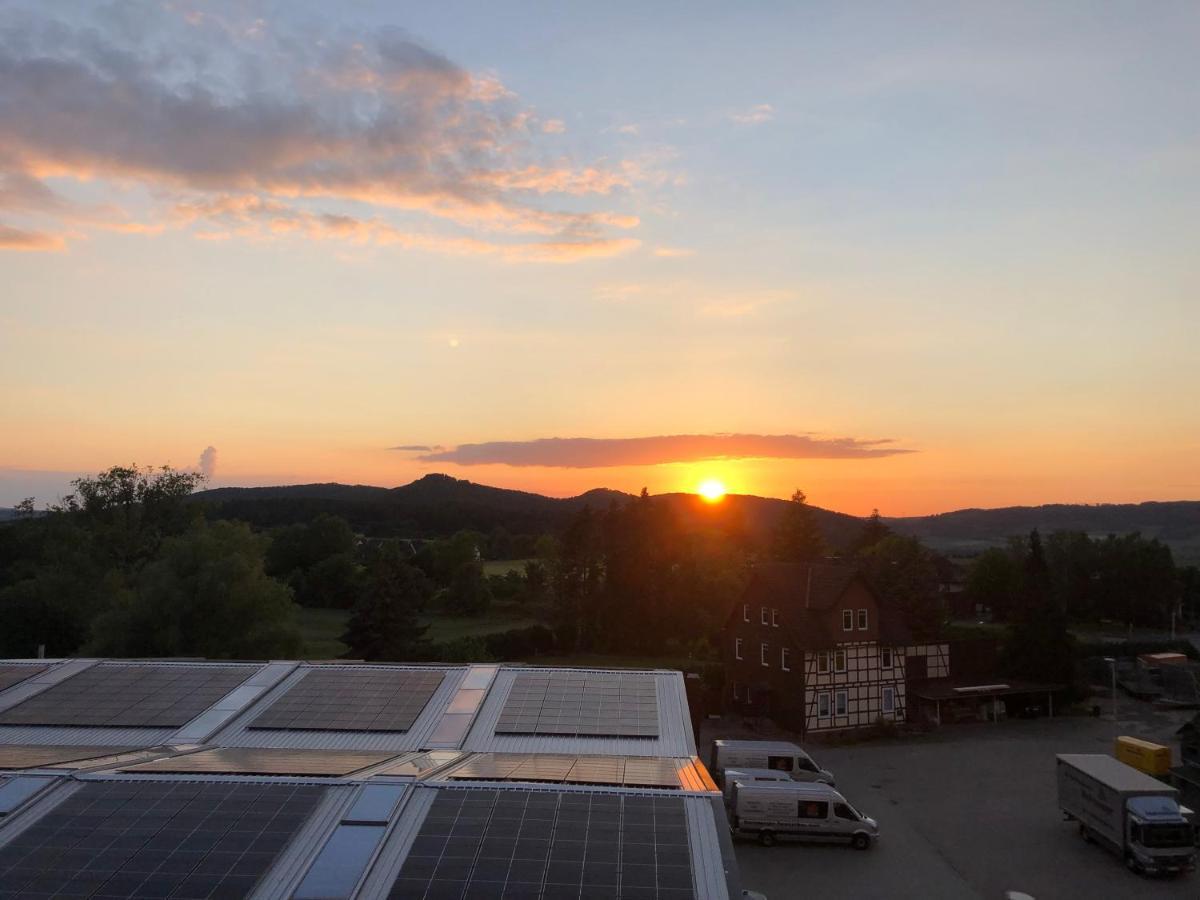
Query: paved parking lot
[[969, 812]]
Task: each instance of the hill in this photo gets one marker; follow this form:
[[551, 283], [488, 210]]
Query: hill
[[968, 531], [438, 505]]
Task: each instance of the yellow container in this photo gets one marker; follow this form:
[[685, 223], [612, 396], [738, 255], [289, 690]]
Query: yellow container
[[1153, 759]]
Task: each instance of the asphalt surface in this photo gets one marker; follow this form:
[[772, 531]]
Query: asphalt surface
[[967, 812]]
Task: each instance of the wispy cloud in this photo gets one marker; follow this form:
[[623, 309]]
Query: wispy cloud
[[673, 252], [16, 239], [418, 448], [589, 453], [755, 115], [198, 110]]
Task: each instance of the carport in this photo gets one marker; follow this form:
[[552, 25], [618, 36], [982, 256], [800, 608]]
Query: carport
[[941, 701]]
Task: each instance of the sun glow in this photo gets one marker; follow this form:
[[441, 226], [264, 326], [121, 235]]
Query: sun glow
[[711, 490]]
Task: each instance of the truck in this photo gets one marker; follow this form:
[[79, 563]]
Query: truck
[[782, 756], [811, 811], [1127, 812]]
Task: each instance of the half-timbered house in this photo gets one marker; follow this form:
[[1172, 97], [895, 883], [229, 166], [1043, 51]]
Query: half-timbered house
[[811, 647]]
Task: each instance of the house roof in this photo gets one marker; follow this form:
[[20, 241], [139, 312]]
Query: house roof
[[809, 591]]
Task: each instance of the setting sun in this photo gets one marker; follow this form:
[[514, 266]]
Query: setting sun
[[711, 490]]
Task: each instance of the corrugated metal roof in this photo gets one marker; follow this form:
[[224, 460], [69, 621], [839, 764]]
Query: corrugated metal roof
[[674, 723], [239, 734]]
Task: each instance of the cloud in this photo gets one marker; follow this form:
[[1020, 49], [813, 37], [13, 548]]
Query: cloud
[[418, 448], [16, 239], [194, 110], [554, 126], [208, 462], [587, 453], [755, 115]]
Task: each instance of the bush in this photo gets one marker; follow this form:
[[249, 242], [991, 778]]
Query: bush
[[463, 650], [520, 642], [1118, 649]]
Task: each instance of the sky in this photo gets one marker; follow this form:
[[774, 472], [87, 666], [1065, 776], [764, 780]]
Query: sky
[[913, 257]]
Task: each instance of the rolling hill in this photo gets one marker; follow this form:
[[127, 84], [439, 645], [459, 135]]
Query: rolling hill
[[439, 505]]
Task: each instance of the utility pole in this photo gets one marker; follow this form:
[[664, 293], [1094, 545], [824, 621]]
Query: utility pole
[[1112, 662]]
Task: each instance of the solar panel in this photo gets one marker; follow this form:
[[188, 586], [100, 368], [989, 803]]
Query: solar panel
[[32, 756], [10, 675], [581, 704], [352, 700], [568, 769], [254, 761], [129, 696], [183, 840], [549, 845]]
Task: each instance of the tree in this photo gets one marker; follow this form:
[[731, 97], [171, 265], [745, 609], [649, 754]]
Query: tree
[[131, 510], [333, 583], [318, 561], [1039, 647], [797, 538], [384, 624], [468, 593], [873, 531], [904, 572], [206, 594], [993, 581]]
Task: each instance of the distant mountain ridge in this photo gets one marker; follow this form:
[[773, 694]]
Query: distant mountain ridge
[[439, 505]]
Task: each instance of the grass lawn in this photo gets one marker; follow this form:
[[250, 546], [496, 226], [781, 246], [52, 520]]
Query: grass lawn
[[504, 566], [322, 629]]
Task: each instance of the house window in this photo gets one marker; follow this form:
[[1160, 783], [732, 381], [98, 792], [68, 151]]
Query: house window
[[737, 648], [745, 612], [862, 620], [847, 620], [737, 694], [762, 654], [774, 618], [840, 701], [822, 663], [823, 705], [783, 659], [762, 616], [885, 657], [749, 694], [889, 700], [839, 661]]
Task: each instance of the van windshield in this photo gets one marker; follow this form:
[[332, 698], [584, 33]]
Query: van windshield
[[1164, 836]]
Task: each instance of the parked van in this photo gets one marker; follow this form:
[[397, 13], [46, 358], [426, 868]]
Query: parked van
[[814, 812], [782, 756], [751, 776]]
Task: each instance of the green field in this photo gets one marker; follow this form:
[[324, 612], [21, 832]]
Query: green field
[[322, 629], [504, 566]]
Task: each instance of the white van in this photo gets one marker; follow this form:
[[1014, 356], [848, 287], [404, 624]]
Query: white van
[[782, 756], [751, 776], [814, 812]]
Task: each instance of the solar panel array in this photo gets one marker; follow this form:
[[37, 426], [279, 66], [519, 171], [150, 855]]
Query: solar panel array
[[252, 761], [129, 696], [352, 700], [581, 704], [190, 841], [32, 756], [10, 675], [568, 769], [549, 845]]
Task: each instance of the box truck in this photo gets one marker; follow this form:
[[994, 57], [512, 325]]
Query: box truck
[[1126, 811], [782, 756], [808, 811]]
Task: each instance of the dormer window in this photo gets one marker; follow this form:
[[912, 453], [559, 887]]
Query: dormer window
[[745, 612], [847, 620], [762, 617], [774, 618], [862, 620]]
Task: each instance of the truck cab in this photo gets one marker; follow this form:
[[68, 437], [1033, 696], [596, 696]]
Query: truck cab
[[1158, 837]]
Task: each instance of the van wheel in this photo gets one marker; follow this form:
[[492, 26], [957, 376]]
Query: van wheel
[[1132, 864], [860, 841], [766, 838]]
